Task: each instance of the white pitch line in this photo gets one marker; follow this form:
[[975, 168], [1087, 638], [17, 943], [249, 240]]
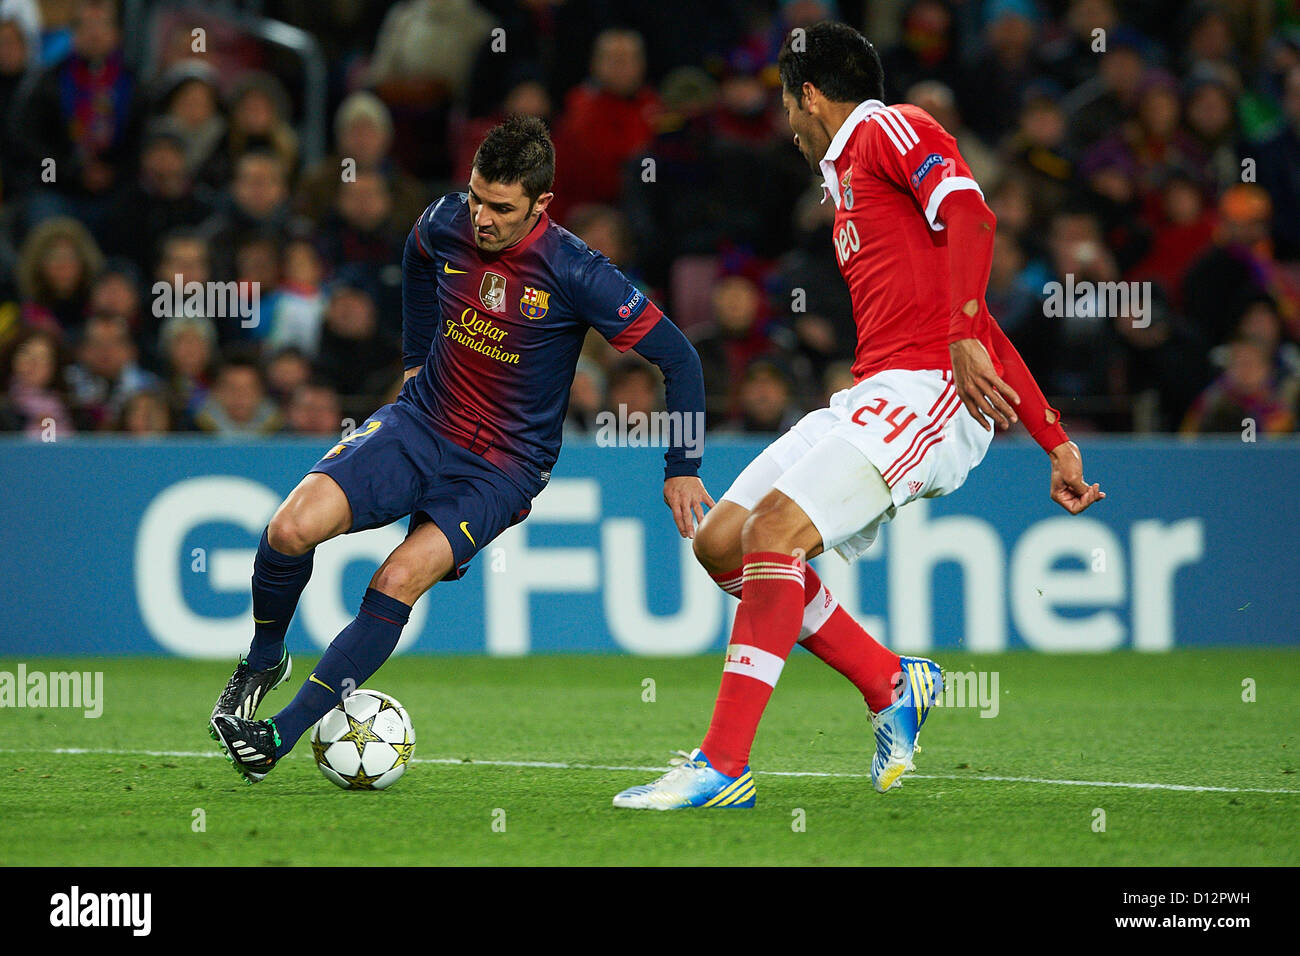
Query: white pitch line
[[561, 765]]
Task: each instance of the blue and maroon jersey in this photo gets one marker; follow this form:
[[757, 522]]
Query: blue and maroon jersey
[[499, 334]]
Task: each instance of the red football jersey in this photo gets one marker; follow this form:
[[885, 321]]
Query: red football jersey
[[888, 169]]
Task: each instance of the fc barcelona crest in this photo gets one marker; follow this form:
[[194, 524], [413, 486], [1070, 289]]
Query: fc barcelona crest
[[846, 188], [534, 303], [492, 292]]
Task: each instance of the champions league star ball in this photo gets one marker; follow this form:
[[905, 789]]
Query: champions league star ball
[[364, 743]]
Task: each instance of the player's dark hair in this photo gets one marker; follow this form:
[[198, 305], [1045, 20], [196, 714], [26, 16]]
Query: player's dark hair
[[836, 59], [518, 151]]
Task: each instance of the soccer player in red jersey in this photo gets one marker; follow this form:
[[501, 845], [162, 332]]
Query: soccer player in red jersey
[[914, 241]]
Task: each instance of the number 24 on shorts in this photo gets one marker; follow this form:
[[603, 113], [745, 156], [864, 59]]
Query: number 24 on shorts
[[877, 408]]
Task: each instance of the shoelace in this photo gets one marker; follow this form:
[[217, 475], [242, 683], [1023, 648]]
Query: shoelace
[[682, 764]]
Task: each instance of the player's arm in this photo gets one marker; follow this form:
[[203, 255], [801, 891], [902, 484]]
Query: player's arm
[[971, 225], [419, 302], [684, 493], [623, 314]]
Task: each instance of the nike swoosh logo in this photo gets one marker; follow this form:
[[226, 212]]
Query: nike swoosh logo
[[467, 534], [316, 680], [259, 621], [446, 267]]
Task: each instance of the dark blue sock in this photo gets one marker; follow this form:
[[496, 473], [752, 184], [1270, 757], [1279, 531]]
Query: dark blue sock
[[348, 662], [278, 580]]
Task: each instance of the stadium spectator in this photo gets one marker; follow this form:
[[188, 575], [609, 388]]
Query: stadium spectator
[[83, 116], [106, 373], [729, 343], [1209, 138], [19, 55], [836, 378], [258, 204], [314, 410], [1245, 397], [938, 100], [926, 51], [238, 404], [35, 396], [57, 267], [285, 372], [144, 414], [355, 356], [1100, 104], [421, 65], [1261, 323], [586, 397], [1239, 266], [991, 89], [259, 121], [189, 108], [1181, 233], [1160, 364], [189, 349], [160, 200], [363, 135], [604, 229], [634, 388], [808, 279], [1073, 348], [295, 319], [1278, 166], [1071, 58], [116, 291], [765, 399], [360, 232], [606, 121], [257, 266], [526, 95], [1010, 297], [1035, 151]]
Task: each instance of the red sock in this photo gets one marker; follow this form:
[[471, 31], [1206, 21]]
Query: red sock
[[829, 632], [766, 628], [832, 634]]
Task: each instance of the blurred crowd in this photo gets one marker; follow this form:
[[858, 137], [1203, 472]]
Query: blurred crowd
[[1149, 143]]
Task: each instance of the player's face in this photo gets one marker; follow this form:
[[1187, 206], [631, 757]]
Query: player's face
[[502, 213], [808, 133]]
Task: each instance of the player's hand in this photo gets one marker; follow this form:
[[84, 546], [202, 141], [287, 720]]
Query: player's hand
[[1069, 490], [979, 387], [686, 496]]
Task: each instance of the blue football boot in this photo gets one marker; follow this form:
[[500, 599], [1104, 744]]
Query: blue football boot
[[691, 783], [899, 725]]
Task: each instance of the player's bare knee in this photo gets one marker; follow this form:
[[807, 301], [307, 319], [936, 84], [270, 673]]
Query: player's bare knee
[[402, 580], [289, 534], [766, 529], [712, 549]]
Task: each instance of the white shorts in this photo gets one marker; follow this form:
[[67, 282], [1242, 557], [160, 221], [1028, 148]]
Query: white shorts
[[908, 426]]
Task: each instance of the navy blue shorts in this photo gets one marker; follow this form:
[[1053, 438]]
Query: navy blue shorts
[[395, 465]]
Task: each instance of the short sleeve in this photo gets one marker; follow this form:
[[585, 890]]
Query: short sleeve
[[907, 147], [607, 300]]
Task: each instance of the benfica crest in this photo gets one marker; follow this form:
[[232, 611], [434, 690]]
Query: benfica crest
[[534, 303], [846, 188]]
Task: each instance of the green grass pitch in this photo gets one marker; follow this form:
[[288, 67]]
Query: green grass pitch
[[130, 791]]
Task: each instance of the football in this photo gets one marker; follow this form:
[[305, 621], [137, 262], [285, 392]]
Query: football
[[365, 742]]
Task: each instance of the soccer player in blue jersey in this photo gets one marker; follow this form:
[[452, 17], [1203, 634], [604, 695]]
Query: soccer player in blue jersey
[[496, 301]]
